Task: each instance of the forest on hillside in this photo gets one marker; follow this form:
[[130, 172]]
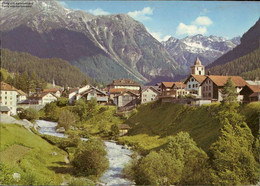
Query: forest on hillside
[[246, 66], [49, 69]]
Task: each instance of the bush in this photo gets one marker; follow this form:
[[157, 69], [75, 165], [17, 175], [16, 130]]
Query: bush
[[90, 158], [62, 102], [29, 114], [81, 181], [66, 119]]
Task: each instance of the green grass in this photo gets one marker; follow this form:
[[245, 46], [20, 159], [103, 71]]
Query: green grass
[[32, 155], [154, 122], [165, 120], [105, 119]]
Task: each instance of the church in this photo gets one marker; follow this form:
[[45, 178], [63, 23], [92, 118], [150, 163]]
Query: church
[[195, 79]]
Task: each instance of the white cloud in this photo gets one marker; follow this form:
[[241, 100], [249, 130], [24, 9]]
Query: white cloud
[[203, 20], [98, 11], [183, 29], [158, 35], [198, 26], [142, 15]]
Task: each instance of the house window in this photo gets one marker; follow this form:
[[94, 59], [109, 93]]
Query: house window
[[209, 94], [203, 88], [196, 85], [206, 88], [192, 80], [151, 99], [189, 86], [193, 86], [5, 92], [209, 87]]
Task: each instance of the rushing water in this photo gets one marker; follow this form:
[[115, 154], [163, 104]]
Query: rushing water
[[117, 155]]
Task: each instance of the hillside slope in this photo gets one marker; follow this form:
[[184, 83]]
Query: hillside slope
[[31, 156], [154, 122], [48, 69], [250, 41], [245, 66]]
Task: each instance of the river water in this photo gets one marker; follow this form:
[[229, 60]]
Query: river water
[[116, 154]]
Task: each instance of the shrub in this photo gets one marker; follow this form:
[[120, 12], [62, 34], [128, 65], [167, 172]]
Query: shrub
[[90, 158], [29, 114], [66, 119], [62, 102]]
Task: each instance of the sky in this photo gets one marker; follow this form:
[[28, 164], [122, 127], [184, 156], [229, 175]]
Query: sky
[[180, 18]]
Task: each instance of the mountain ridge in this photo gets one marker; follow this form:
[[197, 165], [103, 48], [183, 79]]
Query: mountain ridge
[[86, 40]]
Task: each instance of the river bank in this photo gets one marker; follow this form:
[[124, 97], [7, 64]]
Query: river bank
[[117, 155]]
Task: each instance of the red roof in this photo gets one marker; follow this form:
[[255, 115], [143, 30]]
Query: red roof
[[5, 86], [221, 80], [116, 90], [254, 88], [127, 82], [255, 94], [167, 84], [180, 85]]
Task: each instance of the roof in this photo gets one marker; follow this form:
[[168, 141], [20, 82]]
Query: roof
[[197, 62], [249, 82], [154, 88], [116, 90], [255, 94], [179, 85], [5, 86], [21, 92], [4, 109], [91, 89], [124, 126], [129, 91], [221, 80], [199, 78], [167, 84], [73, 90], [51, 90], [128, 82], [39, 95], [254, 88]]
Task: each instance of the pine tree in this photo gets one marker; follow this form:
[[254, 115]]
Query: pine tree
[[231, 156]]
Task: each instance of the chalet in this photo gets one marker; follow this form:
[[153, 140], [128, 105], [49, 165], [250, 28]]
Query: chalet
[[250, 93], [119, 86], [41, 98], [8, 97], [123, 129], [100, 96], [195, 79], [127, 99], [54, 91], [149, 94], [212, 85]]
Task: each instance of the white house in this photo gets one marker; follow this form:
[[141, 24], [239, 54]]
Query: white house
[[9, 97], [54, 91], [149, 94]]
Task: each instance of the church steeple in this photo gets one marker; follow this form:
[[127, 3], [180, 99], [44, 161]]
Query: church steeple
[[197, 68]]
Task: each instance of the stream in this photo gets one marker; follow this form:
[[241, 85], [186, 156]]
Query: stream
[[116, 154]]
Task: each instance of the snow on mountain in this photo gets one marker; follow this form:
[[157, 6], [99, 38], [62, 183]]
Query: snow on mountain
[[185, 50]]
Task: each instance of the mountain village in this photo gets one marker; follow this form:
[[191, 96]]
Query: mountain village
[[126, 94]]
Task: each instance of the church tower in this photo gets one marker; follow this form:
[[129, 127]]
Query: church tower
[[197, 68]]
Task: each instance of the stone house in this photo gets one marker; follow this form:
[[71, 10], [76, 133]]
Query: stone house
[[212, 86], [127, 99]]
